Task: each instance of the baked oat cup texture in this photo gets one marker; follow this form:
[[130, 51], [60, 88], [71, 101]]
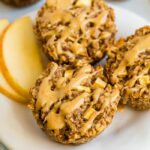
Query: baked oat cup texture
[[75, 32], [129, 65], [73, 105]]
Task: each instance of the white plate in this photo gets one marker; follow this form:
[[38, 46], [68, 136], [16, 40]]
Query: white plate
[[130, 130]]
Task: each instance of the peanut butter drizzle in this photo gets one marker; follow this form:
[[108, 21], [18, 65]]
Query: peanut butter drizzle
[[99, 20], [59, 4], [70, 106], [96, 94], [131, 55], [80, 76], [133, 80], [46, 97], [84, 2], [57, 121], [89, 123], [110, 99], [62, 14], [94, 114], [57, 16]]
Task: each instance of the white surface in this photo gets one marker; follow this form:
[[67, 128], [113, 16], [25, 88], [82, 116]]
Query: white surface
[[140, 7], [129, 130]]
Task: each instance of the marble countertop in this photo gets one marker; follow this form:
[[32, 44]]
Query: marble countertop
[[140, 7]]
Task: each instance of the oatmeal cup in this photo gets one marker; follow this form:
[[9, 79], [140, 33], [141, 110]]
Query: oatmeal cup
[[73, 105], [129, 65], [75, 32]]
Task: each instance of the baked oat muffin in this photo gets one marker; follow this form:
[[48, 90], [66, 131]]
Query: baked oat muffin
[[19, 3], [129, 65], [75, 32], [73, 105]]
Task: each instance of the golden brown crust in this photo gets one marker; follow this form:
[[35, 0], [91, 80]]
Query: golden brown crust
[[83, 105], [19, 3], [133, 54], [81, 37]]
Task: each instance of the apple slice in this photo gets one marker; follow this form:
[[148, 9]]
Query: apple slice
[[6, 90], [4, 86], [21, 61], [3, 24]]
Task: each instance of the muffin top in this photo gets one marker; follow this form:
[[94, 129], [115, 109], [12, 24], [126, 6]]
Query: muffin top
[[130, 58], [76, 32], [129, 65], [74, 105]]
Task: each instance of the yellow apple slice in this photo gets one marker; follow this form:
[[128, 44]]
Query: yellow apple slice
[[3, 24], [4, 86], [6, 90], [21, 61]]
